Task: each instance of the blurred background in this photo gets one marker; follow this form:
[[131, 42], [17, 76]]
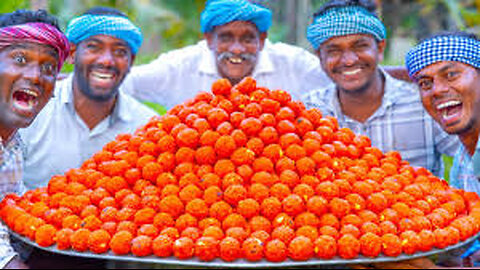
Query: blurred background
[[171, 24]]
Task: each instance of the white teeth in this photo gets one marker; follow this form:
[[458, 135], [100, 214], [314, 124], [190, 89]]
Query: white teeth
[[235, 60], [30, 92], [103, 76], [448, 104], [353, 72]]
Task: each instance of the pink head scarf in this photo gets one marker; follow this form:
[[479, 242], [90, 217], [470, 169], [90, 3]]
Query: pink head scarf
[[40, 33]]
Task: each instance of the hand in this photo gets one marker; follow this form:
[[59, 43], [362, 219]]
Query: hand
[[16, 263], [422, 263]]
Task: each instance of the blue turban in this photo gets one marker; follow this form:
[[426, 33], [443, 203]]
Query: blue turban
[[86, 26], [443, 48], [220, 12], [342, 21]]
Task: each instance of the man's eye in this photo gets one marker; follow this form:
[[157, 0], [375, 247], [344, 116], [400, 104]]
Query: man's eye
[[20, 59], [48, 68], [452, 75], [425, 85], [121, 52], [91, 46]]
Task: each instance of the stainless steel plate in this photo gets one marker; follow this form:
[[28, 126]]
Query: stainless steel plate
[[243, 263]]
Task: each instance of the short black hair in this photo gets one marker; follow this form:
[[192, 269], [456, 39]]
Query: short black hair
[[369, 5], [105, 11], [23, 16], [452, 34]]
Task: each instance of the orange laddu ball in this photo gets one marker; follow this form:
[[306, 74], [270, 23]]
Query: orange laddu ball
[[142, 246], [230, 249], [79, 240], [162, 246], [276, 251], [183, 248], [98, 241], [121, 242], [207, 248], [45, 235], [348, 247], [301, 248], [325, 247], [371, 245], [63, 239], [253, 249]]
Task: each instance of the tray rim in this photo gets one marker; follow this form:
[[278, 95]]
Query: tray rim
[[242, 263]]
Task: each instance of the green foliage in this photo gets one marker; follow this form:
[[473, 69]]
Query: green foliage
[[7, 6]]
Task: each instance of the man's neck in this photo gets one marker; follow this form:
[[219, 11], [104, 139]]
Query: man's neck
[[90, 111], [6, 134], [361, 105], [469, 139]]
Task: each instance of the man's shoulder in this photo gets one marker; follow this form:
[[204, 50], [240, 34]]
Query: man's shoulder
[[136, 108], [289, 52]]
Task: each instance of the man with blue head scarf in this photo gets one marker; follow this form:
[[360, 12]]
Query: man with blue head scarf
[[446, 68], [88, 110], [235, 46], [350, 41]]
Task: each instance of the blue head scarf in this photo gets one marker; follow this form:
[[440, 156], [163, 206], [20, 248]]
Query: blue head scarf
[[86, 26], [342, 21], [220, 12], [443, 48]]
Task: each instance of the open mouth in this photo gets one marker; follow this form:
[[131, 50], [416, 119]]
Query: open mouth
[[352, 72], [235, 60], [25, 100], [450, 110], [103, 78]]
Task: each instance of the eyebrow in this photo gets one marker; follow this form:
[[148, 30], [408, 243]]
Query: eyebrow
[[24, 46], [443, 69], [117, 43]]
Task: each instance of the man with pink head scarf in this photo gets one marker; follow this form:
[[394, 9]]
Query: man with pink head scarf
[[32, 52]]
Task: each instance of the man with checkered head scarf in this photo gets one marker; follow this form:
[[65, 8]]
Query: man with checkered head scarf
[[88, 110], [446, 68], [350, 40]]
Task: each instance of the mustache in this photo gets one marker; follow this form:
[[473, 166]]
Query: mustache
[[244, 56]]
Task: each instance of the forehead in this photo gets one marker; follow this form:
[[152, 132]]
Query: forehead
[[33, 48], [106, 39], [439, 67], [236, 27], [348, 40]]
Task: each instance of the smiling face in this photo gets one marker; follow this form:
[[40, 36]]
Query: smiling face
[[450, 92], [236, 46], [351, 61], [101, 64], [27, 79]]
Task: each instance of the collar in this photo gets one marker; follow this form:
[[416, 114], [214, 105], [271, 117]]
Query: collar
[[208, 66], [391, 95], [14, 142], [120, 112]]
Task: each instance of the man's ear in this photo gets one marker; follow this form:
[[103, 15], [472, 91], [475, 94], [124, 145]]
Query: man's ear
[[263, 37], [71, 55], [381, 50], [209, 37]]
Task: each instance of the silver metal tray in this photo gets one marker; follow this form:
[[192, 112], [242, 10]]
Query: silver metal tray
[[243, 263]]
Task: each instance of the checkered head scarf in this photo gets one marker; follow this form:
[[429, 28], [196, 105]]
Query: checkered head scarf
[[220, 12], [35, 32], [86, 26], [443, 48], [342, 21]]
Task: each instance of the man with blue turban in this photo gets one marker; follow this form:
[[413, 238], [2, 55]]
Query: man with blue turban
[[350, 41], [88, 110], [235, 46]]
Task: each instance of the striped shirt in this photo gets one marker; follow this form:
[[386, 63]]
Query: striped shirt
[[399, 124], [11, 166], [462, 175]]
